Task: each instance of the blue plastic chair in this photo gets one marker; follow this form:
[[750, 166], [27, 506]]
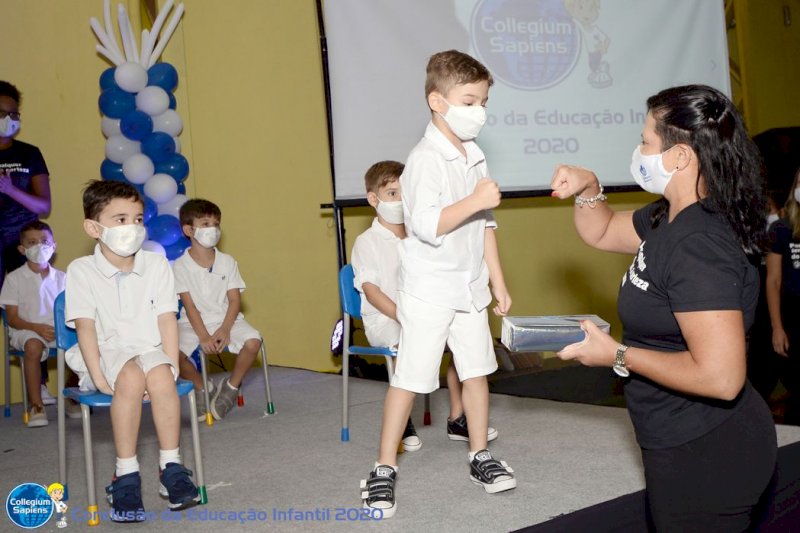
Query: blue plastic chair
[[66, 337], [350, 300], [19, 354]]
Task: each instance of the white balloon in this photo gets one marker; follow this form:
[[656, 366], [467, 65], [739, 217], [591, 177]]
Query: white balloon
[[161, 188], [152, 100], [110, 126], [138, 168], [172, 207], [177, 145], [131, 77], [154, 246], [169, 122], [119, 148]]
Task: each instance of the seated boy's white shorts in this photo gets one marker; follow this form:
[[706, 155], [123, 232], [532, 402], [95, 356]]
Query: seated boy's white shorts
[[111, 362], [241, 332], [17, 338], [381, 330], [425, 329]]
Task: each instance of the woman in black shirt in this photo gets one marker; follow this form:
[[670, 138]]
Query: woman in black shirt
[[708, 442]]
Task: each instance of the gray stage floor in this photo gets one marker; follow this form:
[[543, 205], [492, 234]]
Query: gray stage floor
[[566, 457]]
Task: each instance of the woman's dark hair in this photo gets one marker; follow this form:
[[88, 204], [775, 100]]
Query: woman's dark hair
[[729, 161], [7, 89]]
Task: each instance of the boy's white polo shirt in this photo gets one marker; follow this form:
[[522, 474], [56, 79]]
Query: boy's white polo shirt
[[124, 305], [33, 294], [448, 270], [208, 287], [375, 260]]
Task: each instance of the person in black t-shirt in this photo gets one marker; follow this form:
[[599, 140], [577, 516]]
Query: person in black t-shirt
[[24, 181], [707, 438], [783, 297]]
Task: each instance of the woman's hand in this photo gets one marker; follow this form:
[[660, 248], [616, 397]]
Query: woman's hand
[[780, 342], [569, 180], [597, 349]]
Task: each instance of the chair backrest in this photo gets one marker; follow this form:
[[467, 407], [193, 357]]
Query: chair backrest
[[348, 295], [66, 337]]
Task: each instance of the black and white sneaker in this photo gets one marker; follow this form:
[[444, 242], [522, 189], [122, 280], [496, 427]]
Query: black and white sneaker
[[377, 492], [411, 441], [493, 475], [457, 430]]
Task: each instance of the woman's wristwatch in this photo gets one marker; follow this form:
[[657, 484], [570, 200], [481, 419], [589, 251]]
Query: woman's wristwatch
[[619, 362]]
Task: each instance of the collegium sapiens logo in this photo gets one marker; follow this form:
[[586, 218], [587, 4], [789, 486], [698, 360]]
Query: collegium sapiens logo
[[29, 505]]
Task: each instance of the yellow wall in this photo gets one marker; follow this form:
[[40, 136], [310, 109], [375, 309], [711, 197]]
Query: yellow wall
[[251, 97]]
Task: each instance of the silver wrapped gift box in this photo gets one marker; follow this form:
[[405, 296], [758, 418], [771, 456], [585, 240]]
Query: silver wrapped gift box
[[545, 333]]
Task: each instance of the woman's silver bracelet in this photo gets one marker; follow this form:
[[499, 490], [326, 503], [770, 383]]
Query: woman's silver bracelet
[[580, 201]]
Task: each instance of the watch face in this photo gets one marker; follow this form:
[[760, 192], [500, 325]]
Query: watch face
[[621, 371]]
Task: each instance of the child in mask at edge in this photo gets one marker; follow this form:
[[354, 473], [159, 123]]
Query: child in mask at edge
[[447, 261], [121, 300], [210, 286], [376, 265]]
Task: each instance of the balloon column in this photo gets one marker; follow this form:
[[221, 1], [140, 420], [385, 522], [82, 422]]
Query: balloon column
[[141, 125]]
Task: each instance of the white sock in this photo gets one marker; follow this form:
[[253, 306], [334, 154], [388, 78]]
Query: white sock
[[471, 455], [127, 466], [377, 464], [168, 456]]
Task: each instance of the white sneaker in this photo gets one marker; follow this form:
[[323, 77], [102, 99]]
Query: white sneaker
[[37, 417], [72, 408], [47, 398]]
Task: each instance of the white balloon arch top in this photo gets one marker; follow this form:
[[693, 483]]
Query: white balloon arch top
[[141, 125]]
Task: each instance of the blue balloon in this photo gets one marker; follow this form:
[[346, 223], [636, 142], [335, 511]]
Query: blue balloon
[[176, 249], [136, 125], [175, 165], [173, 102], [181, 188], [111, 171], [107, 79], [116, 103], [158, 146], [164, 229], [150, 209], [163, 75]]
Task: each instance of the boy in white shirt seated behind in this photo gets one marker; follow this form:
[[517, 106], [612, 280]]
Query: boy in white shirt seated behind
[[209, 285]]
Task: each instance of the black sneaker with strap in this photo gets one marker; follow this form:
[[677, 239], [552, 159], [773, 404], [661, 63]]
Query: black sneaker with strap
[[125, 496], [493, 475], [378, 492]]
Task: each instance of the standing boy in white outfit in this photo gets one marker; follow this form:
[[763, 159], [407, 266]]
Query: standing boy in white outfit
[[446, 263], [121, 300], [210, 286]]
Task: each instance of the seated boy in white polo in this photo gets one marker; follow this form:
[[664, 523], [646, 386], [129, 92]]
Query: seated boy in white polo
[[121, 300], [209, 285]]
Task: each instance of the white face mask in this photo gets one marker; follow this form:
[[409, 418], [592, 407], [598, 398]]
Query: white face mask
[[207, 237], [40, 253], [391, 212], [797, 194], [772, 218], [123, 240], [465, 121], [8, 127], [648, 171]]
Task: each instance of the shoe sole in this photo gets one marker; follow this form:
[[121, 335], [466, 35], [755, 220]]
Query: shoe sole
[[385, 513], [412, 447], [490, 436], [498, 486], [38, 423]]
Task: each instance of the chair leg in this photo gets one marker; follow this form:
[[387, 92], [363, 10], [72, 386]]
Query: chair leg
[[25, 413], [270, 407], [204, 373], [62, 440], [7, 379], [94, 518], [198, 458], [345, 375]]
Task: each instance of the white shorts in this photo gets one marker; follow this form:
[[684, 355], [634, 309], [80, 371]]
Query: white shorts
[[111, 363], [241, 332], [17, 338], [426, 328], [381, 330]]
